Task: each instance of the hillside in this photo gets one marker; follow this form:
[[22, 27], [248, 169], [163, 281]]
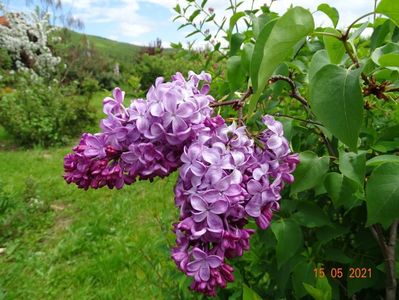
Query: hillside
[[119, 51]]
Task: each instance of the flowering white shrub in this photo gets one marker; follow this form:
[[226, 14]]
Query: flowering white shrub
[[25, 38]]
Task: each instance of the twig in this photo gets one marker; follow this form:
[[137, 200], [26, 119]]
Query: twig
[[294, 91], [296, 95], [391, 272], [388, 251], [346, 34], [237, 104], [298, 119]]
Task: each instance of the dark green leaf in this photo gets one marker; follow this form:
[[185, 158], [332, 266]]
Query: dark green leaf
[[336, 99], [303, 273], [235, 43], [309, 172], [192, 33], [326, 234], [331, 12], [289, 239], [382, 194], [310, 215], [290, 29], [194, 15], [203, 3], [319, 60], [353, 165], [235, 73], [340, 189], [335, 47], [337, 255], [379, 34], [389, 8], [177, 8], [210, 18]]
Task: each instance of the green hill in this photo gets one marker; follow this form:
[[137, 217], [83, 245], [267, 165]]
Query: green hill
[[123, 53]]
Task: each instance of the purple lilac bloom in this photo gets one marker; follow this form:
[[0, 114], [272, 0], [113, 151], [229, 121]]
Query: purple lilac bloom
[[143, 140], [225, 180]]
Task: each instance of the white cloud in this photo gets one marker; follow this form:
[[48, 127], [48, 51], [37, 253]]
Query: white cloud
[[134, 30]]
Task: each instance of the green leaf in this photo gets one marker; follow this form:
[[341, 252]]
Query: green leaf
[[203, 3], [331, 12], [326, 234], [340, 189], [336, 255], [258, 23], [177, 8], [235, 42], [353, 165], [335, 47], [337, 101], [381, 159], [257, 54], [309, 171], [322, 291], [194, 15], [379, 34], [289, 239], [310, 215], [303, 273], [192, 33], [246, 56], [386, 51], [290, 29], [250, 294], [235, 73], [389, 60], [382, 194], [358, 31], [234, 19], [319, 60], [389, 8]]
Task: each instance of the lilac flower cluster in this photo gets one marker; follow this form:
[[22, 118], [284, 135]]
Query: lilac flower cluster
[[143, 140], [224, 177], [224, 180]]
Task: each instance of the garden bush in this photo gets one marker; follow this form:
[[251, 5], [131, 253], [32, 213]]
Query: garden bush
[[38, 113]]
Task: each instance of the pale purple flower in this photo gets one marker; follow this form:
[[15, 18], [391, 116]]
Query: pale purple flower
[[201, 266]]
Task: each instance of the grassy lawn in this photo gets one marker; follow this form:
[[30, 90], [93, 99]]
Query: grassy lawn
[[59, 242]]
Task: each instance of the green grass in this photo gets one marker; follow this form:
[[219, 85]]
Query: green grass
[[64, 243], [60, 242]]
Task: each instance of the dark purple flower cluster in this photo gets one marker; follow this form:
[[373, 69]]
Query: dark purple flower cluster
[[143, 140], [224, 180], [224, 177]]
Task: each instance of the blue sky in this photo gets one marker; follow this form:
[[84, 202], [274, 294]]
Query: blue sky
[[142, 21]]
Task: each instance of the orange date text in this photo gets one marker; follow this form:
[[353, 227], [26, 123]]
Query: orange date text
[[351, 273]]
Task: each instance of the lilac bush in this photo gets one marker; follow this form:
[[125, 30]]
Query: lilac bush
[[225, 178]]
